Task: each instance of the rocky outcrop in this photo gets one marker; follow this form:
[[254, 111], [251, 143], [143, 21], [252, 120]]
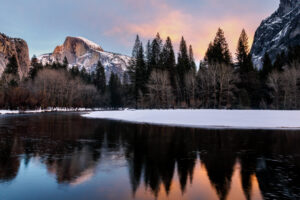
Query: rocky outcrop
[[278, 32], [14, 46], [86, 54]]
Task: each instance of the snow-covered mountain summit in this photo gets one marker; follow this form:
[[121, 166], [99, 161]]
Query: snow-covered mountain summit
[[84, 53], [278, 32]]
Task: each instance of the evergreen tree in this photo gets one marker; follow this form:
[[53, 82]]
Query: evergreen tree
[[85, 76], [168, 62], [243, 58], [65, 63], [99, 78], [148, 56], [35, 67], [55, 65], [156, 48], [74, 71], [127, 90], [267, 67], [137, 70], [248, 76], [191, 58], [132, 69], [141, 71], [280, 62], [183, 67], [218, 51], [12, 66], [11, 75], [114, 89], [293, 54]]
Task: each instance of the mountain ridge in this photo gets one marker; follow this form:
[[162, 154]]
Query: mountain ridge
[[14, 46], [85, 54], [277, 32]]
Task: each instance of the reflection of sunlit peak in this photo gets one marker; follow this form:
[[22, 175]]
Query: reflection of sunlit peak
[[256, 193], [84, 177]]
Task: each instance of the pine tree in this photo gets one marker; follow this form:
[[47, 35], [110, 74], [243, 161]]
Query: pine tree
[[168, 62], [85, 76], [35, 67], [74, 71], [156, 48], [183, 67], [141, 71], [280, 61], [133, 61], [148, 57], [191, 59], [12, 66], [218, 51], [137, 70], [293, 54], [100, 80], [65, 63], [248, 76], [114, 90], [242, 55], [267, 67], [11, 75], [264, 73]]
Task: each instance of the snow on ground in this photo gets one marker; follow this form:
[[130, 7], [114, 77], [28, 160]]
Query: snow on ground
[[3, 112], [235, 119]]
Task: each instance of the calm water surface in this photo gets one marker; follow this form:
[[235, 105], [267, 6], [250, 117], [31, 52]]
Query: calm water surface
[[64, 156]]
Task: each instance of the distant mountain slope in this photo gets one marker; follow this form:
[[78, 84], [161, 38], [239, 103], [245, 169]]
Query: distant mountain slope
[[278, 32], [85, 54], [14, 46]]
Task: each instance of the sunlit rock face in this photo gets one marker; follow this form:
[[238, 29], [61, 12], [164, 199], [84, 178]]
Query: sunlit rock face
[[86, 54], [278, 32], [14, 46]]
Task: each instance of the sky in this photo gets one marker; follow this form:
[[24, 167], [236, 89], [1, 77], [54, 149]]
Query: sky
[[113, 24]]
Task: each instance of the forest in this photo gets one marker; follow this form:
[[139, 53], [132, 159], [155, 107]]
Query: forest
[[158, 78]]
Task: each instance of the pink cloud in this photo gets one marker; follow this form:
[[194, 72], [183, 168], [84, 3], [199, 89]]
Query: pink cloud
[[198, 31]]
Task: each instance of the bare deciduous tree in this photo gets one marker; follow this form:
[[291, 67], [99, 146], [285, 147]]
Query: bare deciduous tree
[[191, 87], [216, 85], [285, 87], [57, 89], [160, 89]]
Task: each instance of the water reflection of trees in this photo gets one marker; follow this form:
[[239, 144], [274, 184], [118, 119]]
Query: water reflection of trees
[[72, 149]]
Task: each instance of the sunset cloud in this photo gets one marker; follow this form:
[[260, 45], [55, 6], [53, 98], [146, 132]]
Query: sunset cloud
[[114, 24], [177, 23]]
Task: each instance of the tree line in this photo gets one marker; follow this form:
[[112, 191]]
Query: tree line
[[157, 78]]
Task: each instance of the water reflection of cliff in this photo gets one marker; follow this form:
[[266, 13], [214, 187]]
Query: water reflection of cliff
[[71, 148]]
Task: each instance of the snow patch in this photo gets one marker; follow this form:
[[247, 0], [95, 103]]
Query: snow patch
[[233, 119], [4, 112], [91, 44]]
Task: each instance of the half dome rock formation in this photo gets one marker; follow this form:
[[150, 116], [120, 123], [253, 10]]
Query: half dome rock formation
[[85, 54], [278, 32], [14, 46]]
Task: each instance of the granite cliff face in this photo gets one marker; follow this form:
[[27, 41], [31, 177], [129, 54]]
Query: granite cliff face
[[14, 46], [278, 32], [86, 54]]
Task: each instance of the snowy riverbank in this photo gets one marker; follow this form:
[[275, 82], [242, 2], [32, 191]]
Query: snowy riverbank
[[235, 119], [3, 112]]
